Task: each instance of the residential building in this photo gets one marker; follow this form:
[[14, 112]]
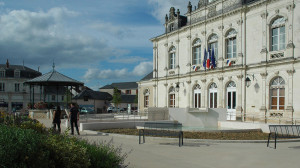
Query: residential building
[[242, 55]]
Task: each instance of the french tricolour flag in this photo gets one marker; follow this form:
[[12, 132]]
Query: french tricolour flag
[[228, 62]]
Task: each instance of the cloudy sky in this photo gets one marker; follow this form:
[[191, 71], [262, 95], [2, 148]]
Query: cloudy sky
[[94, 41]]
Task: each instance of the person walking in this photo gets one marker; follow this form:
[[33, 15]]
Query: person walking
[[74, 118], [56, 119]]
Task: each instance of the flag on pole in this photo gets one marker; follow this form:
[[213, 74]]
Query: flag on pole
[[213, 60], [228, 62], [204, 60], [208, 60]]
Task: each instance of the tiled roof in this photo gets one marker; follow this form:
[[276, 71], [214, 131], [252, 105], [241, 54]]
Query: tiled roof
[[148, 77], [25, 72], [96, 95], [127, 98], [54, 77], [122, 85]]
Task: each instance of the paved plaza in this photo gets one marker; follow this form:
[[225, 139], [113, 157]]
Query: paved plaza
[[165, 153]]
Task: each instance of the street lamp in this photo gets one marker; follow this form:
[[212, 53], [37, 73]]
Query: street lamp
[[248, 81], [177, 87]]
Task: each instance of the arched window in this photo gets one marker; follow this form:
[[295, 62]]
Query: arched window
[[197, 96], [213, 45], [146, 98], [172, 55], [231, 44], [277, 94], [172, 97], [231, 96], [197, 52], [213, 95], [278, 34]]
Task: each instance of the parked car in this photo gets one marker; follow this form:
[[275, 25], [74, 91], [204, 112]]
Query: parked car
[[115, 110], [86, 110]]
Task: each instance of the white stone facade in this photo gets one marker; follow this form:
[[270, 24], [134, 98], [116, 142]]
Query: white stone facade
[[255, 57]]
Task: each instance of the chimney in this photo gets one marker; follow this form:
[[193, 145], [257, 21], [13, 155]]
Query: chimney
[[7, 64]]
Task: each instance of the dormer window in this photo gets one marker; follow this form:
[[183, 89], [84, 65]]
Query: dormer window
[[172, 27], [17, 74]]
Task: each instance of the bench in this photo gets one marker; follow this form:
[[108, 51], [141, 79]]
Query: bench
[[283, 131], [161, 129]]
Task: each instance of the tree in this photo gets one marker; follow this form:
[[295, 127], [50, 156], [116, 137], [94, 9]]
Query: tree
[[116, 97], [136, 99]]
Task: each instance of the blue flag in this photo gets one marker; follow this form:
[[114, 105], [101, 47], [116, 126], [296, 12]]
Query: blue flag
[[204, 60], [213, 60]]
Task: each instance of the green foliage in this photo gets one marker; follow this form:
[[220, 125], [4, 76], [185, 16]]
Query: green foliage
[[136, 99], [22, 148], [116, 97]]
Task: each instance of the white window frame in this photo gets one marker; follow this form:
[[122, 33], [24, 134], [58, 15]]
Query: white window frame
[[172, 57], [196, 52], [172, 97], [197, 96], [214, 90], [278, 25], [277, 84], [231, 43], [146, 98], [213, 44]]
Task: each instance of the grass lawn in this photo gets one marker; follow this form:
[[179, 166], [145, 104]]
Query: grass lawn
[[243, 135]]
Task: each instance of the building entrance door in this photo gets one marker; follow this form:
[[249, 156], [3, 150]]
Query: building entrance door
[[231, 101]]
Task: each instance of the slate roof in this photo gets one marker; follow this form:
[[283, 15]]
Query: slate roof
[[25, 72], [122, 85], [54, 78], [127, 98], [96, 95], [148, 77]]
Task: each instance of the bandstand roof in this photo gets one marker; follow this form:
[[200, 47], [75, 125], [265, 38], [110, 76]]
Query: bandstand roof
[[54, 78]]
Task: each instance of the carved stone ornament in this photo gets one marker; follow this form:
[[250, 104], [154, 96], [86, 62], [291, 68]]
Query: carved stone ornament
[[165, 69], [230, 25], [188, 64], [239, 22], [166, 44], [188, 37], [240, 76], [264, 74], [188, 82], [277, 11], [264, 15], [290, 45], [177, 67], [221, 28], [276, 73], [263, 50], [212, 30], [220, 78], [290, 7], [240, 54], [203, 80], [154, 85], [230, 77], [290, 72], [177, 41], [212, 79], [165, 84], [203, 33], [154, 70]]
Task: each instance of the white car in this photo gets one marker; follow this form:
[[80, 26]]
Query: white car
[[115, 110]]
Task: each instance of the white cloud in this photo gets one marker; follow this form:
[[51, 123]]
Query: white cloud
[[139, 71], [127, 60], [39, 37], [115, 30], [162, 7]]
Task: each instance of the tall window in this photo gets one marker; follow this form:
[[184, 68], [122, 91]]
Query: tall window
[[197, 52], [278, 34], [17, 87], [231, 44], [213, 45], [17, 74], [128, 92], [2, 87], [213, 95], [53, 97], [197, 96], [2, 73], [172, 55], [277, 91], [172, 97], [146, 98]]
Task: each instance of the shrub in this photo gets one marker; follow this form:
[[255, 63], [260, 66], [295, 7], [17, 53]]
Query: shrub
[[22, 148], [66, 152]]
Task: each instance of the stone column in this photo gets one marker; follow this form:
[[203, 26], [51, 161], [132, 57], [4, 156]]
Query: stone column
[[263, 107], [189, 90], [166, 95], [154, 61], [154, 96], [204, 94], [166, 58], [177, 57], [189, 52], [239, 98], [240, 43], [221, 55], [289, 106], [289, 24], [221, 92], [264, 37]]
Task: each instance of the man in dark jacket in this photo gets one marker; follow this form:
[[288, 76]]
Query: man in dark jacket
[[74, 115]]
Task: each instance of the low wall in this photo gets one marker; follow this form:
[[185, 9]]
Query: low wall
[[244, 125], [37, 114], [112, 125], [198, 117], [157, 113]]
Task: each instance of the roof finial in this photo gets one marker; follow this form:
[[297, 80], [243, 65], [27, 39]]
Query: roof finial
[[53, 66]]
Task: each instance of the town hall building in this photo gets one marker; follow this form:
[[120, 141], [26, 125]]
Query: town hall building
[[241, 55]]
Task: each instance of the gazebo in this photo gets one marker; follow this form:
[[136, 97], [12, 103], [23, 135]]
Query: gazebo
[[52, 79]]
